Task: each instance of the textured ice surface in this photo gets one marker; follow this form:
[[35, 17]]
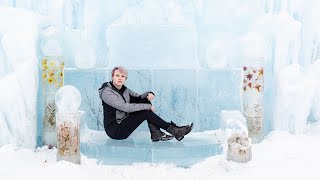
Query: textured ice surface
[[138, 148], [181, 95], [68, 99], [152, 46]]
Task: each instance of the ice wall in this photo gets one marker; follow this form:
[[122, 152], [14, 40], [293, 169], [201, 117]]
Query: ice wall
[[198, 36], [19, 80]]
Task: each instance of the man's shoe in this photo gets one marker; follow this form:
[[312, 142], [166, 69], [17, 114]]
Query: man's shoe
[[165, 137], [179, 131], [158, 135]]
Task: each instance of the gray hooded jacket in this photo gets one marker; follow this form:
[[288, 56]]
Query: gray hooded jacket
[[120, 103]]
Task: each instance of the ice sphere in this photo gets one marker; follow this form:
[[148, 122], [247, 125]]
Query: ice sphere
[[68, 98]]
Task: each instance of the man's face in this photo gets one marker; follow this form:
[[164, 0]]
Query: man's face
[[118, 78]]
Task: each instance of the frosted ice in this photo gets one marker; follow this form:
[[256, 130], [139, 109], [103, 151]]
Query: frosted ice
[[233, 122], [50, 42], [176, 43], [99, 15], [73, 12], [162, 32], [68, 99], [3, 68], [315, 72], [18, 106], [292, 111], [78, 50], [19, 83], [5, 134], [154, 12]]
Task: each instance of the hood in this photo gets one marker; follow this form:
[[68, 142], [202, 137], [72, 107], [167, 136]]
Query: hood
[[103, 87]]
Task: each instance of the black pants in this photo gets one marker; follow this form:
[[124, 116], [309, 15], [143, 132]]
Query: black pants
[[128, 125]]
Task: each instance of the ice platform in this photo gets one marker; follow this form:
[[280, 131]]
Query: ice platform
[[138, 148]]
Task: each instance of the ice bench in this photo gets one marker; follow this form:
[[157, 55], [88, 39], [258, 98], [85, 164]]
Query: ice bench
[[139, 148], [182, 95]]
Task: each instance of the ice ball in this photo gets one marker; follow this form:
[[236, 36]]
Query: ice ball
[[68, 98]]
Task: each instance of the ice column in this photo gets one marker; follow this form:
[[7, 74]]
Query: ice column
[[52, 80], [253, 87], [68, 100], [73, 11]]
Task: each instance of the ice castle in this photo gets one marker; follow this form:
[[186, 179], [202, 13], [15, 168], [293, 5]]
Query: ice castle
[[191, 54]]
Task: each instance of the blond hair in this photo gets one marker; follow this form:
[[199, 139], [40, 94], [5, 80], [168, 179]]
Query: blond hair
[[121, 69]]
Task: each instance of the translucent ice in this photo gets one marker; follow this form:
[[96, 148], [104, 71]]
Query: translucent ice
[[68, 98], [290, 115], [50, 42], [233, 122]]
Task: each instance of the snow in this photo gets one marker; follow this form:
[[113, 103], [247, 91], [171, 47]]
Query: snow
[[279, 156]]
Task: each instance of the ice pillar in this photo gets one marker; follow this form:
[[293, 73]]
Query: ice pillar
[[68, 99], [252, 104], [52, 80]]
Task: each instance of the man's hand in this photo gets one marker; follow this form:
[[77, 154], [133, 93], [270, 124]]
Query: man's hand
[[150, 96], [153, 109]]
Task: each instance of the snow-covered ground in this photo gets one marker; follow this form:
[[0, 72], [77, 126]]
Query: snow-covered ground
[[280, 156]]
